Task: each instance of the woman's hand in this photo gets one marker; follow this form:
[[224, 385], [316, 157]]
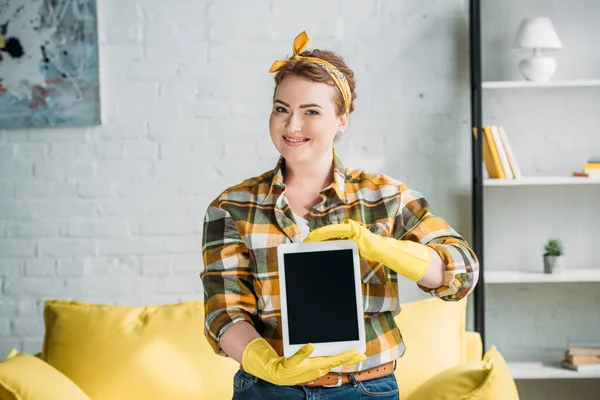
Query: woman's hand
[[261, 360], [408, 258]]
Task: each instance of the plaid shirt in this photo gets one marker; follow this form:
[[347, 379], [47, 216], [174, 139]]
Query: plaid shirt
[[246, 223]]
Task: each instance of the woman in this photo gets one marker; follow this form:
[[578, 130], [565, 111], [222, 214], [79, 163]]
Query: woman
[[311, 196]]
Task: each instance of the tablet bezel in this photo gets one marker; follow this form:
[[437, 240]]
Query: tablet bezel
[[325, 348]]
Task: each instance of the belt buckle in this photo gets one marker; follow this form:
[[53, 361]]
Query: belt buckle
[[338, 383]]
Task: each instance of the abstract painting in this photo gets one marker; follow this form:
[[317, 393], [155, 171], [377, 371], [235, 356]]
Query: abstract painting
[[48, 63]]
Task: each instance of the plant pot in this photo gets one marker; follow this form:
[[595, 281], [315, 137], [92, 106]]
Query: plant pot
[[553, 264]]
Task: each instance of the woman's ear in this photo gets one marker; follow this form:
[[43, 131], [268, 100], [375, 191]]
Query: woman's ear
[[344, 121]]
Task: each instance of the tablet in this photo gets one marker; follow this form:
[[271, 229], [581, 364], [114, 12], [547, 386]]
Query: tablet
[[321, 297]]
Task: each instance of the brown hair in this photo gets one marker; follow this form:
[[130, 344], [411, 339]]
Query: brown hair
[[315, 73]]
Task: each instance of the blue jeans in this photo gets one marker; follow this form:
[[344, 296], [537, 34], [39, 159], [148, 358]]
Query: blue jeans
[[247, 386]]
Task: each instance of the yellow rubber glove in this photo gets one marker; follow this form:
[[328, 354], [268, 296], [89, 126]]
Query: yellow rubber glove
[[408, 258], [261, 360]]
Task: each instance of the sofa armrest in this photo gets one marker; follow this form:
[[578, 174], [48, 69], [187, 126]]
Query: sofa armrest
[[473, 347]]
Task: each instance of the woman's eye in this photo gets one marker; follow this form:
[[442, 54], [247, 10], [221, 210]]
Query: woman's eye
[[312, 112], [280, 109]]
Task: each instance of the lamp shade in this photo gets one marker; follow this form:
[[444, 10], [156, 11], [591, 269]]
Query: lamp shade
[[537, 33]]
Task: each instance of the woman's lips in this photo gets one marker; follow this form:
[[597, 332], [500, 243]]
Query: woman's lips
[[295, 141]]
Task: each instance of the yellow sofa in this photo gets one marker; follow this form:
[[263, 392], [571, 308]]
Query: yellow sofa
[[104, 352]]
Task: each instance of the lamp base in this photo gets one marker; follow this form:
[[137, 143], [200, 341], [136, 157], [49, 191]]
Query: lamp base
[[538, 68]]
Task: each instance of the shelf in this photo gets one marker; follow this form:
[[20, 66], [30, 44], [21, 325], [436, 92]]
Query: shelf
[[538, 370], [568, 275], [542, 180], [550, 84]]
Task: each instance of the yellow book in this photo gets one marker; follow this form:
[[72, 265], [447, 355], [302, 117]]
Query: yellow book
[[490, 155], [591, 166]]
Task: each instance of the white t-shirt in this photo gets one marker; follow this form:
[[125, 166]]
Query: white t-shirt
[[302, 225]]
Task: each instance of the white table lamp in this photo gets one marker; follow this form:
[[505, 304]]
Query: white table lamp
[[537, 34]]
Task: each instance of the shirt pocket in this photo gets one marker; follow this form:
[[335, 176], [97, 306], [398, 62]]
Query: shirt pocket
[[374, 272], [263, 254]]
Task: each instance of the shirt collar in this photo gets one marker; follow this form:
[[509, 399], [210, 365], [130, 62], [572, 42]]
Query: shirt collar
[[338, 185]]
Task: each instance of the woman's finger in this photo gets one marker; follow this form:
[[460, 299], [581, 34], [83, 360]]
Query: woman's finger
[[299, 356]]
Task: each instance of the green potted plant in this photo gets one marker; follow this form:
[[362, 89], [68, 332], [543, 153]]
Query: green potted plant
[[554, 259]]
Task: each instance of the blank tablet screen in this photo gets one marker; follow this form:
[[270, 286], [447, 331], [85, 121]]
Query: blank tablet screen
[[321, 299]]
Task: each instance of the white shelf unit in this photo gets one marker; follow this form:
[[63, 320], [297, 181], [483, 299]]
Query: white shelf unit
[[537, 370], [518, 214], [567, 275], [540, 370], [549, 84], [543, 180]]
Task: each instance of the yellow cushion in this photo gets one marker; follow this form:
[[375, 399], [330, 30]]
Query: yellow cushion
[[489, 379], [433, 331], [153, 352], [25, 377]]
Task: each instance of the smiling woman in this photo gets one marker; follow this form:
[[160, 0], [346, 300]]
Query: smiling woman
[[311, 196], [313, 98]]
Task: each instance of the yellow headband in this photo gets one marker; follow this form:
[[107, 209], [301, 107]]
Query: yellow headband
[[300, 44]]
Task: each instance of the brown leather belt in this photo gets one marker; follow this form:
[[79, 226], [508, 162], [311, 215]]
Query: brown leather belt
[[333, 379]]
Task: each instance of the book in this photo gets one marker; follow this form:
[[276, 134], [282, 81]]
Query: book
[[487, 158], [581, 360], [509, 152], [581, 368], [592, 169], [502, 153], [584, 350], [490, 155]]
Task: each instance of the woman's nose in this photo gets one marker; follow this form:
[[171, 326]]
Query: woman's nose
[[293, 124]]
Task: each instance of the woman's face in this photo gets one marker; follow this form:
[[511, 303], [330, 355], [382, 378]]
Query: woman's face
[[303, 121]]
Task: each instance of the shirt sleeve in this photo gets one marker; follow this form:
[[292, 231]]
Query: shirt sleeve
[[227, 277], [415, 221]]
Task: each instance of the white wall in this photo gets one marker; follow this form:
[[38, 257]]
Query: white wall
[[113, 213]]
